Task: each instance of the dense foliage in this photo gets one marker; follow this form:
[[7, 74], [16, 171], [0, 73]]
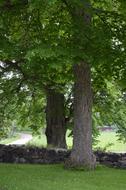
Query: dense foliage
[[39, 43]]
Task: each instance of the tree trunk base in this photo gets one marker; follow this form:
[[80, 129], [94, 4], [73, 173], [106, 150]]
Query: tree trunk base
[[71, 163], [56, 136], [82, 155], [55, 120]]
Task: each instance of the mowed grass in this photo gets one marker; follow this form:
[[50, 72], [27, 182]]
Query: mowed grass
[[39, 141], [55, 177], [9, 140], [111, 138], [105, 138]]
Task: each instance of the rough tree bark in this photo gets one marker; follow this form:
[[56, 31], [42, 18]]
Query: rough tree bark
[[55, 119], [82, 155]]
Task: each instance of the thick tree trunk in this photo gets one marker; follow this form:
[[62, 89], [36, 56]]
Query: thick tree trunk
[[55, 119], [82, 155]]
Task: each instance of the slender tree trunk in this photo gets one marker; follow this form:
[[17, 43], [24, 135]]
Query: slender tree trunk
[[82, 155], [55, 119]]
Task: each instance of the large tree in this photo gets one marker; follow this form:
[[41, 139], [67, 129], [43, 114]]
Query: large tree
[[61, 35]]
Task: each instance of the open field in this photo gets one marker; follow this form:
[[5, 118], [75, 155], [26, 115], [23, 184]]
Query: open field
[[54, 177], [107, 140], [104, 139], [110, 137], [9, 140]]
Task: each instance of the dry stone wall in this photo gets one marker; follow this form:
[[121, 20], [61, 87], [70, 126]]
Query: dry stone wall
[[33, 155]]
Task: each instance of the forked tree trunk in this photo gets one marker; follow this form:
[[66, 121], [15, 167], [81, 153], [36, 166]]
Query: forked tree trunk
[[55, 119], [82, 155]]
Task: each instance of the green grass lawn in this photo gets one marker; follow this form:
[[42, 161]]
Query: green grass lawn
[[54, 177], [110, 137], [104, 139], [39, 141], [9, 140]]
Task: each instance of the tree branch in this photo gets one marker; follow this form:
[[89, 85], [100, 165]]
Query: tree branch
[[9, 5]]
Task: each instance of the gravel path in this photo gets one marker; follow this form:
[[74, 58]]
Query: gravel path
[[24, 138]]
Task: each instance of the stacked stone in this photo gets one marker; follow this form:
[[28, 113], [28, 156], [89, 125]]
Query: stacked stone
[[35, 155]]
